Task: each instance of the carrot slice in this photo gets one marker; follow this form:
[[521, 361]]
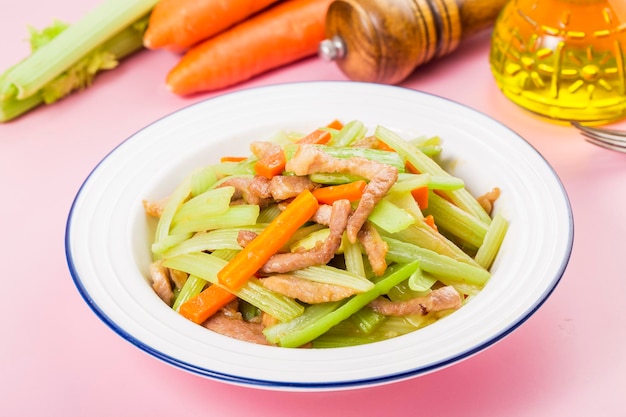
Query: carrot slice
[[421, 197], [204, 305], [256, 253], [430, 220], [271, 165], [176, 25], [316, 137], [279, 35], [232, 158], [335, 124], [352, 191]]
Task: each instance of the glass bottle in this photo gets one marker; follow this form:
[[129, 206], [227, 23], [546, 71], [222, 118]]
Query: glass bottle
[[563, 59]]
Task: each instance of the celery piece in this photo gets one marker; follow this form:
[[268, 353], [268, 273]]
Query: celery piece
[[334, 178], [408, 182], [77, 76], [366, 319], [493, 240], [407, 202], [353, 256], [342, 335], [235, 216], [225, 254], [349, 133], [426, 165], [445, 182], [459, 223], [269, 213], [169, 242], [175, 200], [192, 287], [390, 217], [307, 235], [212, 202], [344, 152], [311, 314], [402, 291], [329, 275], [306, 333], [310, 240], [72, 44], [210, 241], [202, 180], [434, 263], [420, 281], [206, 266], [236, 169]]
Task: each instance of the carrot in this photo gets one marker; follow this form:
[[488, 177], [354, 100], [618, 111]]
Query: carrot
[[352, 191], [316, 137], [421, 197], [233, 158], [335, 124], [176, 25], [430, 220], [204, 305], [284, 33], [256, 253], [271, 165]]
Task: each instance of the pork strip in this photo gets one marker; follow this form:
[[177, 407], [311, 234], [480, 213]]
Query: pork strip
[[309, 292], [444, 298], [161, 282], [234, 326], [375, 248]]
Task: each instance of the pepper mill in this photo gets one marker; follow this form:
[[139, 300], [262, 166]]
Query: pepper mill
[[384, 41]]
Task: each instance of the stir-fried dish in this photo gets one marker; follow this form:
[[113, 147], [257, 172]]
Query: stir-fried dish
[[336, 237]]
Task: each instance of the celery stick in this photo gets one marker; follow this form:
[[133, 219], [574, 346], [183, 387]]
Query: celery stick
[[168, 242], [77, 76], [210, 241], [459, 223], [192, 287], [334, 178], [366, 320], [235, 169], [311, 314], [420, 281], [344, 152], [425, 164], [202, 179], [350, 133], [438, 265], [269, 213], [225, 254], [445, 182], [390, 217], [212, 202], [353, 256], [329, 275], [206, 266], [175, 200], [310, 240], [306, 333], [110, 17], [492, 242], [406, 202], [408, 182], [344, 334], [236, 216]]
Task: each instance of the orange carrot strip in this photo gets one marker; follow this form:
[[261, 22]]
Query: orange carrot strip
[[232, 158], [352, 191], [384, 147], [335, 124], [430, 220], [256, 253], [279, 35], [421, 197], [410, 168], [271, 165], [176, 25], [316, 137], [204, 305]]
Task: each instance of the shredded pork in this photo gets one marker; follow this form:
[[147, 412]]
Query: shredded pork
[[306, 291], [444, 298]]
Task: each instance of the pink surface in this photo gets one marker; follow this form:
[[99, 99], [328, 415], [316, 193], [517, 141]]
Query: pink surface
[[57, 358]]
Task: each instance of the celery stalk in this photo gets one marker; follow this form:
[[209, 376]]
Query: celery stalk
[[175, 200], [209, 241], [235, 216], [438, 265], [46, 63], [492, 242], [390, 217], [350, 133], [335, 276], [353, 256], [212, 202], [192, 287]]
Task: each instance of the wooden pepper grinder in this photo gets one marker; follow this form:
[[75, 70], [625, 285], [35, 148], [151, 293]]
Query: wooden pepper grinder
[[383, 41]]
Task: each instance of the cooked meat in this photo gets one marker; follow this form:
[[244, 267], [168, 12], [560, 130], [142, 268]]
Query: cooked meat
[[161, 282], [245, 236], [319, 255], [178, 278], [444, 298], [309, 159], [154, 208], [322, 215], [247, 188], [260, 187], [234, 326], [283, 187], [306, 291], [366, 142], [486, 200], [375, 248]]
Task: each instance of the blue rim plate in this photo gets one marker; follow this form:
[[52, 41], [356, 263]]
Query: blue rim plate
[[108, 235]]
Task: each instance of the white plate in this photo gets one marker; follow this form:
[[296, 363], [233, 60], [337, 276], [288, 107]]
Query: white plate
[[108, 235]]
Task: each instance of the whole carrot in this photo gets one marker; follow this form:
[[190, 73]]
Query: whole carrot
[[284, 33], [178, 24]]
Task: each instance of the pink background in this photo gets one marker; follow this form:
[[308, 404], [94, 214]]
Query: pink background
[[57, 358]]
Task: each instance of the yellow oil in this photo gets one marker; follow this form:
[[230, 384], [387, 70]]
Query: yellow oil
[[563, 59]]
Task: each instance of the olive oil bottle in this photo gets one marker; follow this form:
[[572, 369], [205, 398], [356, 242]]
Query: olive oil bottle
[[563, 59]]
